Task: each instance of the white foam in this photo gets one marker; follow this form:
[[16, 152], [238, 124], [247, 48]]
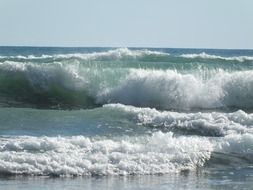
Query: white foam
[[110, 54], [237, 144], [160, 153], [204, 55], [157, 154], [172, 90], [209, 124], [164, 89]]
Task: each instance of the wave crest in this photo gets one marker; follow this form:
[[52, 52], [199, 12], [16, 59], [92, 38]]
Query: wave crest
[[205, 124], [204, 55], [120, 53], [172, 90]]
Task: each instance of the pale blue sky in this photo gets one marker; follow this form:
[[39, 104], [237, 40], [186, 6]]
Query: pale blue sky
[[141, 23]]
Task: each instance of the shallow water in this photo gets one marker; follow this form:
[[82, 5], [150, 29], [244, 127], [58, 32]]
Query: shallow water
[[224, 180]]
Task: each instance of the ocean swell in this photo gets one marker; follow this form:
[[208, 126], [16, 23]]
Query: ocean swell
[[110, 55], [127, 54]]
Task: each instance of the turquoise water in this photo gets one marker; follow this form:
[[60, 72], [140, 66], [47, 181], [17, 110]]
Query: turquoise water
[[128, 117]]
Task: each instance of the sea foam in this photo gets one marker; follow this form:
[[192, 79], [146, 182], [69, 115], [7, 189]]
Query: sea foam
[[204, 55], [198, 123], [172, 90], [119, 53], [157, 154]]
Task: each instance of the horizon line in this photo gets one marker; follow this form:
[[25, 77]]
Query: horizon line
[[137, 47]]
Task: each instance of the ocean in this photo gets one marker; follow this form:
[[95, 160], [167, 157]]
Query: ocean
[[126, 118]]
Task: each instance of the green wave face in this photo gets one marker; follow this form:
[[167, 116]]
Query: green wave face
[[134, 77]]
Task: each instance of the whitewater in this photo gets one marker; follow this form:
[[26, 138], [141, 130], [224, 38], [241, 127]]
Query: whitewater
[[67, 112]]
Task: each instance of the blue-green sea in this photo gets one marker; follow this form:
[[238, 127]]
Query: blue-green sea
[[126, 118]]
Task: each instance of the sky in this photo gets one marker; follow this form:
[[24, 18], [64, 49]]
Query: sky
[[127, 23]]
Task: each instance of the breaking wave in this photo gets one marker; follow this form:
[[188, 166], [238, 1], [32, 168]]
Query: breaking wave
[[204, 55], [205, 124], [73, 85], [137, 111], [157, 154], [160, 153], [172, 90], [120, 53], [126, 54]]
